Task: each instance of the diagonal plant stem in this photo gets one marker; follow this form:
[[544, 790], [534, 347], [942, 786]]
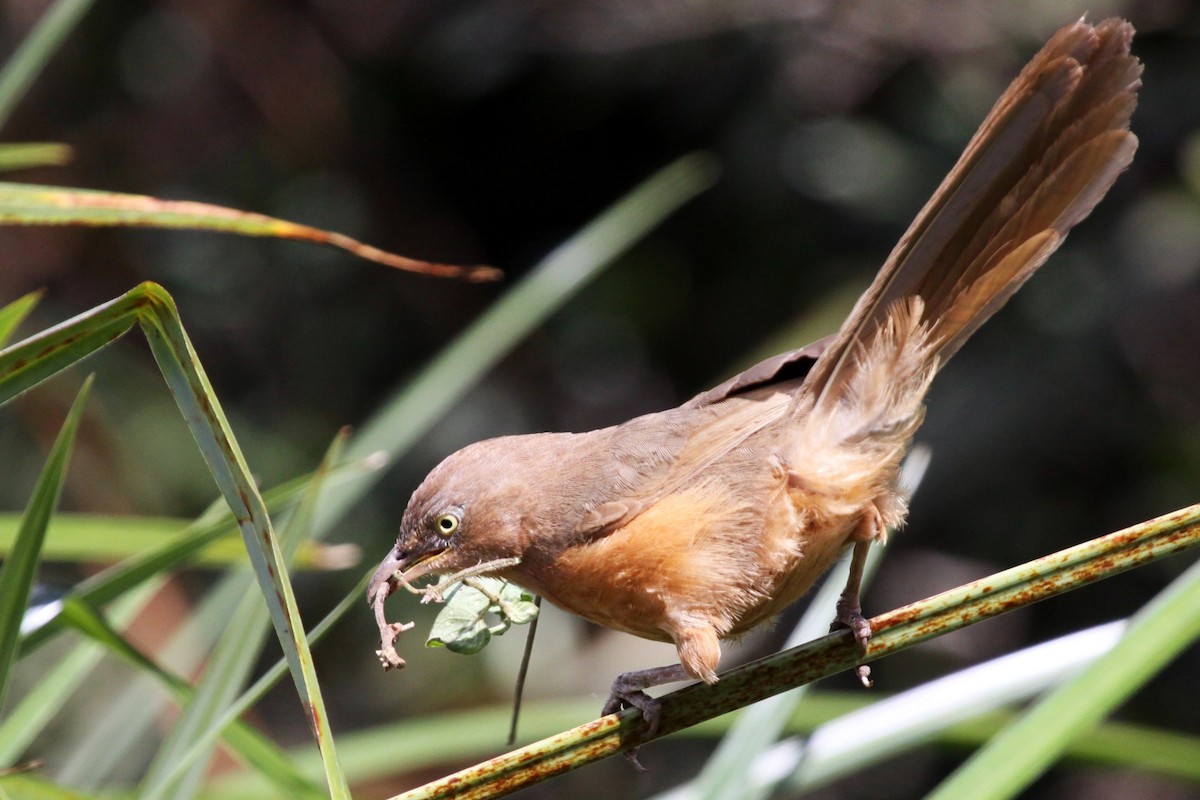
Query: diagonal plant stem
[[34, 204], [148, 305], [894, 631]]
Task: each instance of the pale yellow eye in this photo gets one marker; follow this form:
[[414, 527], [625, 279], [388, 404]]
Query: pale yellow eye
[[447, 524]]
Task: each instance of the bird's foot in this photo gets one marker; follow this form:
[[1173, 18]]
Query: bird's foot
[[627, 692], [624, 695]]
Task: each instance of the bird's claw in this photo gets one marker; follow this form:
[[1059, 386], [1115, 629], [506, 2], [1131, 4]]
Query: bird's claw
[[623, 697], [849, 615]]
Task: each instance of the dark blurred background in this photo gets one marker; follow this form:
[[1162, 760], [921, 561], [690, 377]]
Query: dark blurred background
[[488, 132]]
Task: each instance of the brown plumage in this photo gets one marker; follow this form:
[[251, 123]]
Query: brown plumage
[[695, 523]]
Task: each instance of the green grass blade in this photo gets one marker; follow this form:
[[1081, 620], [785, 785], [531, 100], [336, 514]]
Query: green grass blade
[[106, 538], [202, 412], [53, 690], [33, 360], [29, 204], [34, 787], [30, 58], [16, 575], [15, 313], [231, 660], [1020, 753], [33, 154]]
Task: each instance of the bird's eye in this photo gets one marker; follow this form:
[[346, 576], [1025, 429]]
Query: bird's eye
[[447, 524]]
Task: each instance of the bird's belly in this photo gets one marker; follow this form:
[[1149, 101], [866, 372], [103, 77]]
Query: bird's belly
[[815, 547], [693, 558]]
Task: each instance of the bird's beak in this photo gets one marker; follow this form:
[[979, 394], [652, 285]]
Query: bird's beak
[[409, 569]]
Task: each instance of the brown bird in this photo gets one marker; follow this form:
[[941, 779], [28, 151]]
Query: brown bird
[[697, 523]]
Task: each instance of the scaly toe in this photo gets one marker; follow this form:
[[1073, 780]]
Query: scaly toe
[[851, 616], [624, 698]]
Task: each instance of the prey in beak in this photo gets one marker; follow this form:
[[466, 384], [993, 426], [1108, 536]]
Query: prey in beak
[[396, 569]]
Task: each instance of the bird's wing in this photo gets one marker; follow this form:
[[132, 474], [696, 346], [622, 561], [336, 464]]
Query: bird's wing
[[652, 465], [784, 367]]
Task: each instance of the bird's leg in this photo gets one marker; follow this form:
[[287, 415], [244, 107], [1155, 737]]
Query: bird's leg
[[849, 606], [627, 693]]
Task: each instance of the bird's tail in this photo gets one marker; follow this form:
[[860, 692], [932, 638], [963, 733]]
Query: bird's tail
[[1046, 154]]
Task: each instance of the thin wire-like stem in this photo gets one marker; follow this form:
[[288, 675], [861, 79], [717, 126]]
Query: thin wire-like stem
[[894, 631], [523, 671]]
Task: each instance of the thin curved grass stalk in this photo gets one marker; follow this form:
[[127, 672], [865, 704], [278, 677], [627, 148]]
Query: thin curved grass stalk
[[31, 204], [894, 631], [33, 154], [14, 313], [150, 307], [84, 538]]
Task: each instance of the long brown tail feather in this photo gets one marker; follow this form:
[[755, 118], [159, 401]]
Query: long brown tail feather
[[1043, 158]]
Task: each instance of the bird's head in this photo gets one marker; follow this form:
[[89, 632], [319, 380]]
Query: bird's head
[[472, 509]]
